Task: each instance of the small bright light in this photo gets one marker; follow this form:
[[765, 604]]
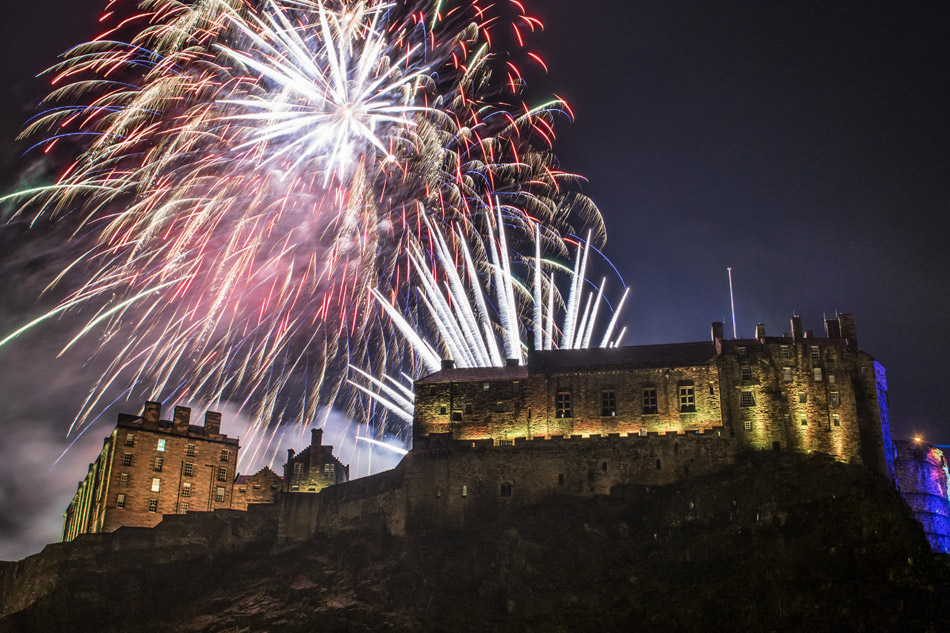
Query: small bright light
[[917, 439]]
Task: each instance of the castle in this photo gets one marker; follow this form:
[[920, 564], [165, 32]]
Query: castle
[[572, 422]]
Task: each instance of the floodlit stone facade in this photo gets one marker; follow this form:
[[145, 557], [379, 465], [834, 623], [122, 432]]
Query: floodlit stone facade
[[314, 468], [149, 467], [260, 488], [922, 478]]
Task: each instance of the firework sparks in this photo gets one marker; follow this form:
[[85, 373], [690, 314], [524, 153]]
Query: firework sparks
[[255, 169]]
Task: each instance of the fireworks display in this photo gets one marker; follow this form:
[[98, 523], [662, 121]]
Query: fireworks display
[[277, 189]]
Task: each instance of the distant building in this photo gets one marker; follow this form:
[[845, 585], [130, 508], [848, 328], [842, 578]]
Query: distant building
[[149, 467], [314, 468], [922, 478], [261, 487]]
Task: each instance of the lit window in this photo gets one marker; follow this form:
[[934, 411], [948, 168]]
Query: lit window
[[864, 370], [186, 489], [835, 420], [835, 398], [183, 508], [294, 488], [831, 378], [222, 474], [649, 401], [219, 494], [506, 442], [506, 489], [124, 480], [746, 399], [563, 405], [127, 459], [329, 469], [787, 374], [687, 398], [804, 421], [464, 490], [158, 463], [120, 501], [161, 446], [815, 354], [746, 373], [130, 439], [189, 469], [153, 505], [156, 484], [298, 469], [786, 352], [225, 455], [608, 404], [748, 424], [486, 386], [816, 373], [190, 451]]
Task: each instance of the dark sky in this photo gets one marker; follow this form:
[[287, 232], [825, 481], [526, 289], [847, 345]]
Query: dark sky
[[805, 144]]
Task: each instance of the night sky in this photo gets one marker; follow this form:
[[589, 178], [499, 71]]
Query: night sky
[[806, 144]]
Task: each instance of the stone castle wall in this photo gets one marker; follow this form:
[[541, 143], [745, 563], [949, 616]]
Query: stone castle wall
[[922, 478]]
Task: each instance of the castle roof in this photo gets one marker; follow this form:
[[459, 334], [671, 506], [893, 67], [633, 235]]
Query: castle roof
[[477, 373]]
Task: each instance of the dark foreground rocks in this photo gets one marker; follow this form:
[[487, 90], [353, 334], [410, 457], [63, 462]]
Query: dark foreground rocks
[[777, 543]]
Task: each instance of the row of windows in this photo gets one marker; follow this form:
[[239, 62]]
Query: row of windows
[[608, 402], [219, 496], [803, 421], [785, 352], [189, 450], [329, 469]]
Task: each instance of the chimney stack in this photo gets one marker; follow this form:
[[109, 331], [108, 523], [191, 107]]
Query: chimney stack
[[182, 418], [717, 330], [760, 331], [797, 333], [153, 411], [316, 437], [832, 328], [212, 423], [848, 331]]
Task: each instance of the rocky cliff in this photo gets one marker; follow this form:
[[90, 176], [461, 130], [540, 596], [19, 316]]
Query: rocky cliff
[[775, 543]]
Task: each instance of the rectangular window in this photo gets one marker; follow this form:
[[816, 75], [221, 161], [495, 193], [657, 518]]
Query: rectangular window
[[746, 399], [225, 455], [608, 404], [219, 494], [186, 489], [222, 474], [804, 421], [746, 373], [784, 398], [190, 451], [816, 374], [183, 508], [442, 410], [499, 407], [649, 401], [189, 469], [298, 469], [563, 405], [468, 409], [464, 490], [156, 484], [742, 352], [748, 424], [815, 354], [159, 461], [130, 439], [153, 505], [127, 459], [787, 374], [802, 398], [786, 352], [329, 469], [486, 386], [835, 420], [456, 389], [687, 399], [120, 501], [835, 398], [124, 480], [831, 378], [456, 416], [506, 442], [161, 446], [432, 391]]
